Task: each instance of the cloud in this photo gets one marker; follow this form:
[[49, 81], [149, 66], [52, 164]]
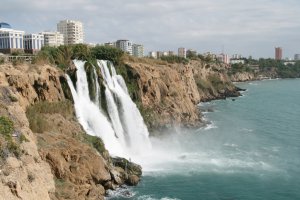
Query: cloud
[[205, 25]]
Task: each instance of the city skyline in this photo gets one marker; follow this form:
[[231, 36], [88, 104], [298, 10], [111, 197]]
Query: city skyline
[[253, 29]]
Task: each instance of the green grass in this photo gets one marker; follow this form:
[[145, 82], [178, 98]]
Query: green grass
[[8, 145], [37, 121]]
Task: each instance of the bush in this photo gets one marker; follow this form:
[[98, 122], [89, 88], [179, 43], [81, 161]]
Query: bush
[[6, 127], [8, 145], [107, 53], [175, 59], [38, 123], [96, 142]]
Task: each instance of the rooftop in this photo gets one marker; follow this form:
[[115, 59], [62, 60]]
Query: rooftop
[[4, 25]]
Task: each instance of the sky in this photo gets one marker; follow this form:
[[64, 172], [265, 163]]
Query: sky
[[250, 28]]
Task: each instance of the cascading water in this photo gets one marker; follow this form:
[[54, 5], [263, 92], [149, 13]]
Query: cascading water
[[97, 97], [125, 134]]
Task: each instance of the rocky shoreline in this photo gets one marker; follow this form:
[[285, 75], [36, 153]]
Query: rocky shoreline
[[57, 160]]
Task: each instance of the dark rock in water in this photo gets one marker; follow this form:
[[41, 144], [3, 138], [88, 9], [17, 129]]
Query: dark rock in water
[[133, 180], [128, 166], [240, 89], [232, 99], [125, 170]]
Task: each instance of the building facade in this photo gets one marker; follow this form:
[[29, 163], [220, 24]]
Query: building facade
[[72, 31], [297, 57], [182, 52], [110, 44], [33, 43], [53, 39], [124, 45], [10, 40], [153, 54], [138, 50], [278, 53], [224, 58]]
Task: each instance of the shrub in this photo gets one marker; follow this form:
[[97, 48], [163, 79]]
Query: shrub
[[107, 53], [34, 113], [96, 142], [175, 59]]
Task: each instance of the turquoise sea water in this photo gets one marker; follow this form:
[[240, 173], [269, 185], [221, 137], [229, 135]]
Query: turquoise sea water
[[250, 151]]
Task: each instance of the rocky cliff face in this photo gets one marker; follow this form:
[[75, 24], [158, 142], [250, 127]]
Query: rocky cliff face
[[169, 93], [24, 175], [46, 154], [241, 77]]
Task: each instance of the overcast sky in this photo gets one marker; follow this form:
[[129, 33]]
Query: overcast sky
[[245, 27]]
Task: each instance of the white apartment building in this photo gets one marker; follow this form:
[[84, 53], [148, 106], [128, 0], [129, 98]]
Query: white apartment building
[[124, 45], [10, 40], [53, 39], [153, 54], [33, 43], [72, 31], [138, 50], [182, 52]]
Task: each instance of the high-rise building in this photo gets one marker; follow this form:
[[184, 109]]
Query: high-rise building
[[182, 52], [297, 57], [278, 53], [53, 39], [224, 58], [33, 43], [72, 31], [138, 50], [124, 45], [153, 54], [10, 40]]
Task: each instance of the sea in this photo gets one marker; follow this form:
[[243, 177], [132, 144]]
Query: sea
[[250, 149]]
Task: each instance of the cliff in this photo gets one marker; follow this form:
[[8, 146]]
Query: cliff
[[168, 93], [243, 76], [45, 154]]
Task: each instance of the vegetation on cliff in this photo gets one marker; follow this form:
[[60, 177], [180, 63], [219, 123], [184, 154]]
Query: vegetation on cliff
[[267, 67]]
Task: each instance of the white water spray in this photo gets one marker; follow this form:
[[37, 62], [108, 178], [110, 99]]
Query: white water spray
[[125, 134], [97, 96]]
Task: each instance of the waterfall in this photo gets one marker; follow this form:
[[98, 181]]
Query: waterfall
[[123, 131], [97, 96], [89, 115]]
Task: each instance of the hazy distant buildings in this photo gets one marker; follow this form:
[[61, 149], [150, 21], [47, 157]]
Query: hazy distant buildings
[[297, 57], [182, 52], [278, 53], [138, 50], [33, 43], [10, 40], [53, 39], [224, 58], [125, 45], [110, 44], [191, 52], [72, 31]]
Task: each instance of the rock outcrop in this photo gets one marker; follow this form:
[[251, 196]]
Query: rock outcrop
[[25, 176], [242, 77], [169, 93]]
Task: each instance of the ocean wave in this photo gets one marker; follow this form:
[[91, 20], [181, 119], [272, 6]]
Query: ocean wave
[[121, 192], [148, 197]]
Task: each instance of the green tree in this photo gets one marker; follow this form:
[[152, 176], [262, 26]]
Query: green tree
[[107, 53]]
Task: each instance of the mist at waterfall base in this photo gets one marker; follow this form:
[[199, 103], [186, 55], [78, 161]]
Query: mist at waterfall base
[[249, 151]]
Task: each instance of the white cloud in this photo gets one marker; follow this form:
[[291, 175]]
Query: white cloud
[[166, 24]]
